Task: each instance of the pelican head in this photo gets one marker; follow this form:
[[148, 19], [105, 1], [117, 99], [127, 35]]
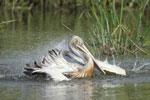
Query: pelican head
[[77, 46]]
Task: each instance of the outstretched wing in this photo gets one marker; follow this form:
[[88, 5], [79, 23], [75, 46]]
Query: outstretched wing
[[53, 65]]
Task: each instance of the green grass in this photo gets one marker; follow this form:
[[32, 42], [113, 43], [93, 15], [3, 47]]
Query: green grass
[[110, 33]]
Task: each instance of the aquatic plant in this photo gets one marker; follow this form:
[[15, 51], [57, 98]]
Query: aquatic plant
[[110, 33], [4, 24]]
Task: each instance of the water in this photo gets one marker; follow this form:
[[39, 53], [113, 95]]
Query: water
[[32, 35]]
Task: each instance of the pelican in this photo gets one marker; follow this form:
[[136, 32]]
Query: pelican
[[58, 68]]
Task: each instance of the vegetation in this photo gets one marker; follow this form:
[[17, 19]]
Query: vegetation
[[3, 24], [109, 31], [68, 4], [112, 34]]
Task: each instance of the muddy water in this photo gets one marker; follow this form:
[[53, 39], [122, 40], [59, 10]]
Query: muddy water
[[31, 36]]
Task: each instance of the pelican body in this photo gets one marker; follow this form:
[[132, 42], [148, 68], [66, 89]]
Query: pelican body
[[58, 68]]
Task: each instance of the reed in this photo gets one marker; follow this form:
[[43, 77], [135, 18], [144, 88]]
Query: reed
[[110, 34], [4, 24]]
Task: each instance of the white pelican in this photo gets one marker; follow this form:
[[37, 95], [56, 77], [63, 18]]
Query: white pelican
[[58, 68]]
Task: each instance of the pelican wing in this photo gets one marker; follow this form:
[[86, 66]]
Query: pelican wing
[[55, 74], [110, 68], [70, 57], [53, 65]]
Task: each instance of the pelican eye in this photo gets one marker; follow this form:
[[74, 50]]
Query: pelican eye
[[80, 42]]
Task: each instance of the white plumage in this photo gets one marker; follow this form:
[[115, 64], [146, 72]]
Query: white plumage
[[58, 68]]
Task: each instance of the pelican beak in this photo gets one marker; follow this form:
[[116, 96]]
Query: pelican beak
[[85, 50]]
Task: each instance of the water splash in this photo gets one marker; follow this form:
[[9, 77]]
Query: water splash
[[135, 63], [137, 66], [13, 67]]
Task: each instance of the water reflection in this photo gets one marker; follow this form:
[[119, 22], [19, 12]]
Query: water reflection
[[81, 90], [67, 92], [123, 92], [50, 91], [28, 31]]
